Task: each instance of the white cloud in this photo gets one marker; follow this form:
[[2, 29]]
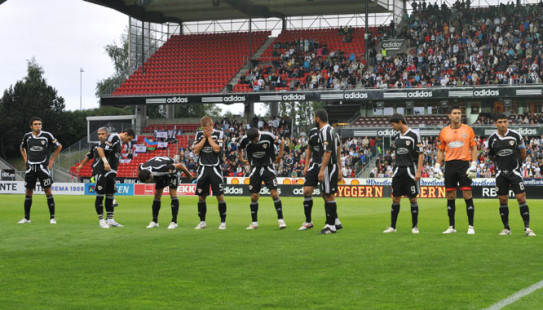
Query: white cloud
[[63, 36]]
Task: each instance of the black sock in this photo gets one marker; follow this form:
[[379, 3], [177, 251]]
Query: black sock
[[109, 207], [394, 214], [415, 214], [28, 205], [470, 210], [504, 214], [308, 206], [175, 209], [51, 205], [156, 210], [451, 209], [331, 209], [222, 211], [202, 209], [278, 208], [525, 213], [98, 205], [254, 211]]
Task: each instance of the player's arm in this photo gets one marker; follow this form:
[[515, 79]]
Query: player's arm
[[307, 158], [474, 153], [55, 155], [180, 166], [280, 155], [420, 162], [241, 156], [522, 153], [23, 153], [85, 160], [325, 160], [102, 156], [214, 145], [197, 146], [340, 173]]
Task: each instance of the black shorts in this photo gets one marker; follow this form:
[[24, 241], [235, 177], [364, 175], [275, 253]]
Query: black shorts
[[35, 173], [260, 174], [209, 176], [329, 185], [403, 182], [511, 179], [169, 180], [455, 175], [105, 183], [312, 176]]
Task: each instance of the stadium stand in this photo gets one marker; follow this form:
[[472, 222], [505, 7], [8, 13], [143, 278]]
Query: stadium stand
[[382, 121], [192, 64]]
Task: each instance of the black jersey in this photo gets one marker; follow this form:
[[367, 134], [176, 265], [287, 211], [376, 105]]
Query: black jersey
[[207, 157], [314, 146], [159, 166], [112, 149], [261, 153], [407, 147], [506, 150], [38, 148], [329, 142], [97, 164]]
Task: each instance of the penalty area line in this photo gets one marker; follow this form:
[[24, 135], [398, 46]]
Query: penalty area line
[[518, 295]]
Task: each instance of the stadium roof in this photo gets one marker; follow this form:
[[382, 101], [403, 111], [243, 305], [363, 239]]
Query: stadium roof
[[179, 11]]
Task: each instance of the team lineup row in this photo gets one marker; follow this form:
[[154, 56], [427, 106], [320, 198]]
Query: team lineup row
[[456, 148]]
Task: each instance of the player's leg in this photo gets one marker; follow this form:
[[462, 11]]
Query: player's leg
[[502, 185], [175, 207], [100, 189], [518, 188], [30, 182], [308, 206], [46, 181], [278, 208], [255, 184], [156, 205], [110, 195], [470, 209], [329, 193], [397, 192], [217, 185], [414, 215], [202, 190], [451, 183], [413, 190]]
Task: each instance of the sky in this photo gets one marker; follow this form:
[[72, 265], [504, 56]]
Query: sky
[[63, 36]]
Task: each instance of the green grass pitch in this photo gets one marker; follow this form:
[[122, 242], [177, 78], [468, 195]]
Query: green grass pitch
[[76, 265]]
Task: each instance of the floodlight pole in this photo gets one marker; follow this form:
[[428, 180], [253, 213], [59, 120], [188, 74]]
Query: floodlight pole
[[366, 35], [81, 88]]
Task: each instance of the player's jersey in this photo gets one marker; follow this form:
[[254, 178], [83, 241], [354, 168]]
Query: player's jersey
[[207, 157], [38, 148], [112, 149], [456, 143], [329, 142], [314, 146], [261, 153], [97, 164], [506, 150], [159, 166], [407, 147]]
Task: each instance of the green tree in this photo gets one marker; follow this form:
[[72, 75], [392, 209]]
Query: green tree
[[301, 113], [119, 55], [29, 97]]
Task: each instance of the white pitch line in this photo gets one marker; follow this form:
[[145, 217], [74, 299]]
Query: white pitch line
[[518, 295]]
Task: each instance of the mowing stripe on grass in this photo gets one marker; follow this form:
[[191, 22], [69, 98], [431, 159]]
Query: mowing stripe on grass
[[518, 295]]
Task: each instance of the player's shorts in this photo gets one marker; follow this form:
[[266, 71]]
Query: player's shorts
[[455, 175], [170, 180], [403, 182], [35, 173], [312, 175], [105, 183], [329, 185], [209, 176], [262, 174], [509, 179]]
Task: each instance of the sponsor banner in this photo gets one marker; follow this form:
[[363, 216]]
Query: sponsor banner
[[392, 44], [372, 94], [18, 187], [122, 189], [7, 175], [141, 189], [379, 181]]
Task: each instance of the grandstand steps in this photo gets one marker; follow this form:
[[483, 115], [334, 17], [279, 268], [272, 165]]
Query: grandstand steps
[[256, 55], [365, 172]]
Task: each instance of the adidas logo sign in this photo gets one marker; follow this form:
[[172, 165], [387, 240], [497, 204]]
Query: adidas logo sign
[[177, 100], [486, 92]]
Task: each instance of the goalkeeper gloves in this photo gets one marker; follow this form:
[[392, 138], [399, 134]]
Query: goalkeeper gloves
[[438, 174], [472, 171]]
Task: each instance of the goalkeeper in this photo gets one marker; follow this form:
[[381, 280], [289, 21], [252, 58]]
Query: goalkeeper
[[457, 142]]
